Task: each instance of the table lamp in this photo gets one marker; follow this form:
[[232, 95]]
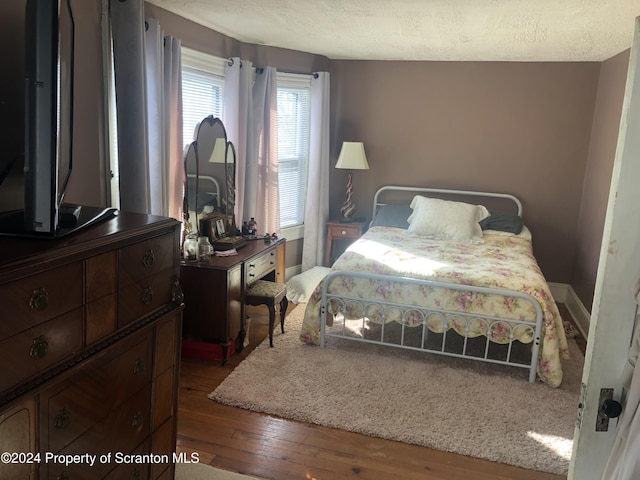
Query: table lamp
[[352, 157]]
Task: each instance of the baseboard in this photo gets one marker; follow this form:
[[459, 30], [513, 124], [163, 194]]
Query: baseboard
[[564, 293], [291, 272]]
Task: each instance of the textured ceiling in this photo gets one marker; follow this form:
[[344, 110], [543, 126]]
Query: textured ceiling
[[452, 30]]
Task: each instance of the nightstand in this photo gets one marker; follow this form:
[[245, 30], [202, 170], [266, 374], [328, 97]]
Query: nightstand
[[339, 231]]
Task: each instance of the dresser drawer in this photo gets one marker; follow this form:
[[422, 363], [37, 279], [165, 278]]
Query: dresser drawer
[[88, 399], [140, 299], [33, 351], [258, 267], [345, 230], [38, 298], [120, 431], [131, 470], [146, 259], [18, 434]]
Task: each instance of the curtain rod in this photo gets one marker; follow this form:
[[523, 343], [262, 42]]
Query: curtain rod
[[260, 70]]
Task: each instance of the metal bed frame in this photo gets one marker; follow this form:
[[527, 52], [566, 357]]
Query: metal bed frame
[[207, 178], [407, 340]]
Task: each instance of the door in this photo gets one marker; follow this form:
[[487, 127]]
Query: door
[[613, 312]]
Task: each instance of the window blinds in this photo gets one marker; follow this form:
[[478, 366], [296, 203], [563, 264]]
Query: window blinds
[[293, 145]]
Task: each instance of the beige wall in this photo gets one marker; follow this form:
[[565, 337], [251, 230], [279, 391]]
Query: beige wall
[[87, 185], [520, 128], [597, 179]]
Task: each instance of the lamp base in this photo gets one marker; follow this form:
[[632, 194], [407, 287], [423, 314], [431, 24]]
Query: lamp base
[[348, 209]]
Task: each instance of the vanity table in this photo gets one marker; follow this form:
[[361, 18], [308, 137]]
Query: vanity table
[[214, 294], [215, 289]]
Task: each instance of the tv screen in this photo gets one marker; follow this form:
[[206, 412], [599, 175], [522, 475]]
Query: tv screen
[[36, 105], [49, 40]]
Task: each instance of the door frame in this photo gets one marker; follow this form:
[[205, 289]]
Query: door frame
[[614, 309]]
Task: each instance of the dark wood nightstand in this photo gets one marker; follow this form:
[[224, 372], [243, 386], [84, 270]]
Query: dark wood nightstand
[[337, 230]]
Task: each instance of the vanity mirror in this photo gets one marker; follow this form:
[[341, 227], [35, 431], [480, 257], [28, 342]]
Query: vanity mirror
[[210, 170]]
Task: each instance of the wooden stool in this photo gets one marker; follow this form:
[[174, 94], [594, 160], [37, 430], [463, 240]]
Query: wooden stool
[[262, 292]]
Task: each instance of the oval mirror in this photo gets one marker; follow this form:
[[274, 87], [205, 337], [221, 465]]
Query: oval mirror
[[205, 176]]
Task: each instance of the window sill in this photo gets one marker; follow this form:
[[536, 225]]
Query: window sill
[[292, 233]]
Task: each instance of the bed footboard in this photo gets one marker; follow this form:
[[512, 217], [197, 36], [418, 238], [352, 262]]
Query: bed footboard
[[430, 328]]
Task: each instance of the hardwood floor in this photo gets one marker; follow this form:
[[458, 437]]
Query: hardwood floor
[[264, 446]]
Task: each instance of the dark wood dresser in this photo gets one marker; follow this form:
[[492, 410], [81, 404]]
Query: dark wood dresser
[[214, 291], [89, 344]]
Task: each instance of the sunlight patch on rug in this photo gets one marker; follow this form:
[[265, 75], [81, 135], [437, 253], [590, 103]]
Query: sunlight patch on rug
[[561, 446], [471, 408]]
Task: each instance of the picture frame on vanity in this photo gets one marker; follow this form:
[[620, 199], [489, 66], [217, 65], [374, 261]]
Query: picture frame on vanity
[[220, 229], [212, 226]]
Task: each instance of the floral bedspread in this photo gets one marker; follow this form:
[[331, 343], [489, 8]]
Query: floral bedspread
[[502, 261]]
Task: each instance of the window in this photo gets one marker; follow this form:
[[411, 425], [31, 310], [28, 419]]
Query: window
[[294, 96], [202, 89], [202, 95]]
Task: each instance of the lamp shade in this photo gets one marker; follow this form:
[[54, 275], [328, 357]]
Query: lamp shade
[[352, 156]]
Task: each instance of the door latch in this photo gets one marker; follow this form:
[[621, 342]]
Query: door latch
[[609, 408]]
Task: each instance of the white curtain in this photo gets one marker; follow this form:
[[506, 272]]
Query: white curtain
[[262, 166], [317, 202], [164, 121], [236, 116], [127, 23]]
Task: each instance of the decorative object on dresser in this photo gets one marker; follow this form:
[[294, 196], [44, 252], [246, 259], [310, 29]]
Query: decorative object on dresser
[[352, 157], [339, 231], [209, 201], [89, 345], [215, 297]]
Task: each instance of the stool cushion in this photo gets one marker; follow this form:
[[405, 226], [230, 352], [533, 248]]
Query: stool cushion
[[265, 289]]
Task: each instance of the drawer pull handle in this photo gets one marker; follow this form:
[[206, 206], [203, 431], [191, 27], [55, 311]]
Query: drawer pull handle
[[39, 299], [63, 418], [138, 421], [176, 290], [343, 232], [147, 296], [139, 367], [39, 348], [148, 259], [252, 265]]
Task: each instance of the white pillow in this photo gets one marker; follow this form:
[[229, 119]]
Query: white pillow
[[301, 286], [446, 220]]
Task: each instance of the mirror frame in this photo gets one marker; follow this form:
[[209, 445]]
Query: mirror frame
[[198, 151]]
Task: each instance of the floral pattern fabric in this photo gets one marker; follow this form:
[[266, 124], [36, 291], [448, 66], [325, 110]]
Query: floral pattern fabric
[[501, 262]]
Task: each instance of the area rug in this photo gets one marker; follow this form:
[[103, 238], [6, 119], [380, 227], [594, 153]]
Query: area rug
[[481, 410], [201, 471]]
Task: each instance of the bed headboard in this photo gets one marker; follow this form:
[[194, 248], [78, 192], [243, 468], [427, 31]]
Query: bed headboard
[[459, 195], [207, 184]]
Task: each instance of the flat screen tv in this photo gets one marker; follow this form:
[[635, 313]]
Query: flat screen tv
[[47, 66]]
